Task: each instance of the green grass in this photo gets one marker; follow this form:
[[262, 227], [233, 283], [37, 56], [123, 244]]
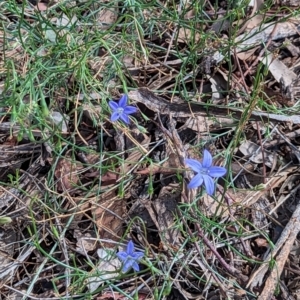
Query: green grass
[[54, 61]]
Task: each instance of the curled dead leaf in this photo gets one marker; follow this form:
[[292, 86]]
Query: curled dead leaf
[[67, 174], [260, 242]]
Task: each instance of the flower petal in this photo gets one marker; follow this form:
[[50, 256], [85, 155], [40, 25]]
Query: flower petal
[[130, 248], [114, 116], [123, 101], [209, 184], [207, 159], [194, 164], [113, 105], [135, 266], [130, 110], [122, 255], [124, 118], [127, 265], [196, 181], [138, 255], [216, 171]]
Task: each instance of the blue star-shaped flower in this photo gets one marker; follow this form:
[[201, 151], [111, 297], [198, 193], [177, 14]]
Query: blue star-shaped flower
[[130, 258], [120, 110], [205, 172]]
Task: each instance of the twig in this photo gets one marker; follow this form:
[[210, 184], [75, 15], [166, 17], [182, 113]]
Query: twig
[[262, 152], [286, 240], [233, 271], [178, 110], [199, 251]]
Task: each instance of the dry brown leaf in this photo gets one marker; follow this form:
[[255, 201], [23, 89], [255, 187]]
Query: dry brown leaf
[[107, 178], [213, 207], [241, 195], [161, 213], [93, 113], [170, 166], [137, 153], [245, 55], [41, 6], [279, 70], [108, 216], [251, 197], [252, 150], [128, 61], [107, 16], [62, 25], [254, 19], [85, 241], [185, 35], [67, 174], [254, 22], [60, 121], [165, 207], [260, 242], [108, 267]]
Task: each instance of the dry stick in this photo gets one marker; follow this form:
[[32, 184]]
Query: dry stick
[[236, 60], [199, 251], [291, 230], [262, 152], [233, 271], [183, 110], [75, 121], [172, 37], [258, 275], [282, 138]]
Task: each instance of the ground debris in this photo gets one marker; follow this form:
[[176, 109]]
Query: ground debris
[[210, 87]]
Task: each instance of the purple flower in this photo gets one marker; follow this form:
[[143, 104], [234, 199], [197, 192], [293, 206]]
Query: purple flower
[[130, 258], [205, 172], [120, 110]]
